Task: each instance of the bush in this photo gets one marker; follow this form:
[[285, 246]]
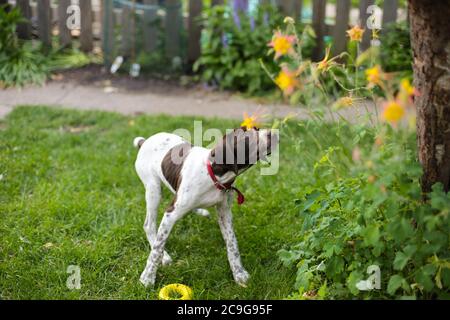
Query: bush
[[20, 62], [231, 51], [369, 211], [396, 52], [364, 211]]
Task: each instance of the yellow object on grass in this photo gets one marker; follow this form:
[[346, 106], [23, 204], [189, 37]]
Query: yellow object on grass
[[176, 292]]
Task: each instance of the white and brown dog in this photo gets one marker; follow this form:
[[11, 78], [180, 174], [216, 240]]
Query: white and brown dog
[[199, 178]]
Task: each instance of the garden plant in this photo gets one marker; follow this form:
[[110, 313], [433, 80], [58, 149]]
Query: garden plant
[[365, 207]]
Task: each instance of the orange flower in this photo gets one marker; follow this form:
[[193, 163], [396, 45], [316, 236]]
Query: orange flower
[[286, 81], [282, 44], [326, 63], [355, 33]]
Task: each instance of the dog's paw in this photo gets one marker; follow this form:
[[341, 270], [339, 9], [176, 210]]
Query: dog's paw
[[166, 260], [202, 212], [242, 278]]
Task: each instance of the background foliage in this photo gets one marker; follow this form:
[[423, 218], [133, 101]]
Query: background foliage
[[231, 52], [369, 211], [20, 62]]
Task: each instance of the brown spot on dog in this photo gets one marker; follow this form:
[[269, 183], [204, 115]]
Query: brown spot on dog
[[140, 143], [173, 163]]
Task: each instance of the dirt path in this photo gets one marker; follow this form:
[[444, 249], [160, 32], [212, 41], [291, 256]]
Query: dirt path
[[92, 89]]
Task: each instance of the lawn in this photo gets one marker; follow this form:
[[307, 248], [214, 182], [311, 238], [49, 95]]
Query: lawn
[[69, 195]]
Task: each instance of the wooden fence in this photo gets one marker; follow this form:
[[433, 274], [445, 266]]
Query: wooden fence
[[101, 20]]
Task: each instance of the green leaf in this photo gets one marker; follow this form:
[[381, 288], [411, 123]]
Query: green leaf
[[288, 257], [371, 235], [395, 282], [423, 278], [303, 277], [400, 261], [322, 291]]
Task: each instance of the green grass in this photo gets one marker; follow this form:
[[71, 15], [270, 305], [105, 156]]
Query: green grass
[[69, 195]]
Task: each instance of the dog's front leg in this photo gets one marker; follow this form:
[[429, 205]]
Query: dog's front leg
[[154, 260], [226, 226]]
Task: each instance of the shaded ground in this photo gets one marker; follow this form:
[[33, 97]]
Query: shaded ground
[[91, 88]]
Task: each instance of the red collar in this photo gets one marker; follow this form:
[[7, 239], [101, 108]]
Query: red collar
[[220, 186]]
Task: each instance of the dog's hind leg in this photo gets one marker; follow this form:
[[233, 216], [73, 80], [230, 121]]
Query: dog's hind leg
[[153, 198], [170, 218]]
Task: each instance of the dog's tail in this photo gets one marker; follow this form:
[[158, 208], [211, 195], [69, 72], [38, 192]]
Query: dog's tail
[[138, 142]]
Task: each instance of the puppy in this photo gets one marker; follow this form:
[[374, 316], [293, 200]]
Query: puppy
[[199, 178]]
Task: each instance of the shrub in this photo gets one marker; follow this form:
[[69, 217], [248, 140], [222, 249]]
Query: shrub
[[396, 52], [369, 211], [364, 209], [20, 62], [231, 50]]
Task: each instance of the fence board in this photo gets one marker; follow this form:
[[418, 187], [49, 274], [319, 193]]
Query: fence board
[[290, 8], [339, 34], [44, 27], [195, 30], [389, 12], [108, 31], [126, 29], [173, 25], [319, 27], [97, 14], [24, 29], [363, 16], [149, 28], [286, 7], [86, 38], [65, 37], [298, 7]]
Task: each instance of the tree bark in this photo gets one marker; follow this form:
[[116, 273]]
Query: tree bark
[[430, 38]]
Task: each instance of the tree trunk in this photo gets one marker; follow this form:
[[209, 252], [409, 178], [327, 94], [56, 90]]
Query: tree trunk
[[430, 37]]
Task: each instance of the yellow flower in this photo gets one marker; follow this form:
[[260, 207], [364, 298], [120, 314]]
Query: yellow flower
[[282, 44], [183, 292], [355, 33], [286, 81], [393, 112], [374, 75], [250, 122], [406, 87]]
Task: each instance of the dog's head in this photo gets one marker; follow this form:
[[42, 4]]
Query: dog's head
[[242, 148]]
